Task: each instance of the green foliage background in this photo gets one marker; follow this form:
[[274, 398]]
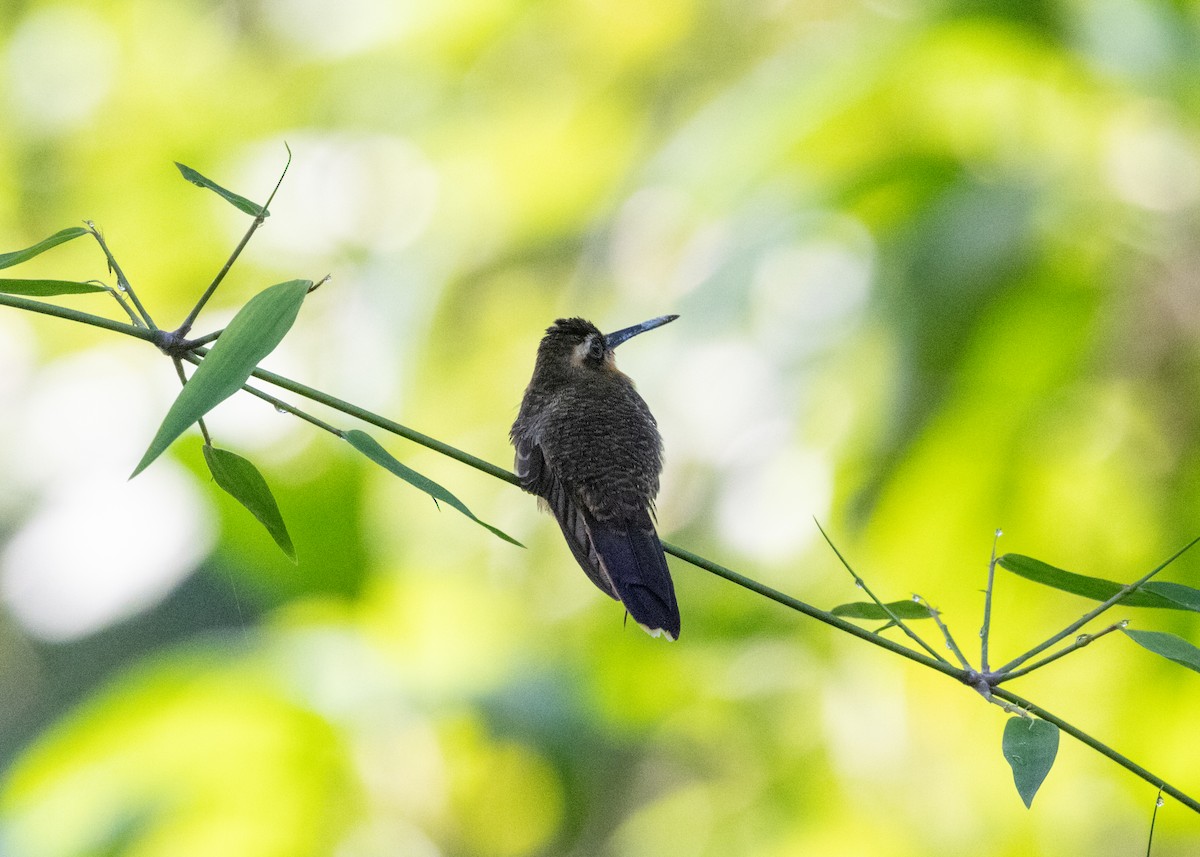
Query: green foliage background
[[936, 265]]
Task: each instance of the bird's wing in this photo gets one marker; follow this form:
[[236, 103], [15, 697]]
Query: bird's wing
[[620, 553], [530, 464], [578, 529], [538, 478]]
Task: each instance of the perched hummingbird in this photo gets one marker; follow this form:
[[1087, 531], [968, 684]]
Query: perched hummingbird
[[588, 447]]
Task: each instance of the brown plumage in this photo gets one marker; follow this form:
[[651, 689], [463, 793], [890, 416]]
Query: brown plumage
[[588, 446]]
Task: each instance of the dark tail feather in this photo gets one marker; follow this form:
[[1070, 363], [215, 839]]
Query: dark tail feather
[[624, 560], [633, 557]]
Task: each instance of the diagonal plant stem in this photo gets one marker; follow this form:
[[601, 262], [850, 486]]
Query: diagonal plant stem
[[121, 302], [258, 221], [43, 308], [123, 283], [384, 423], [1158, 802], [281, 405], [862, 584], [207, 338], [1100, 747], [183, 382], [1080, 641], [986, 630], [950, 644], [1092, 614], [811, 611], [964, 676], [184, 328]]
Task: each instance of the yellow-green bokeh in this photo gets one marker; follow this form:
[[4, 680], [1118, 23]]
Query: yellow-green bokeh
[[936, 265]]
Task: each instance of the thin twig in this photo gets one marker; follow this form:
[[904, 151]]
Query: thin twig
[[1092, 614], [183, 381], [203, 340], [1080, 641], [811, 611], [986, 630], [1158, 802], [1100, 747], [258, 221], [283, 406], [862, 584], [123, 283], [950, 644], [133, 317], [75, 315]]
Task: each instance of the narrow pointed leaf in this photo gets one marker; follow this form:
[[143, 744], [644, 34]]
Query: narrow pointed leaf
[[251, 208], [253, 334], [241, 480], [1184, 596], [1168, 646], [907, 609], [48, 288], [369, 447], [1096, 588], [1029, 747], [7, 260]]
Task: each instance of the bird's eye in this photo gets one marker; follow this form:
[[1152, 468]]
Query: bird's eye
[[596, 349]]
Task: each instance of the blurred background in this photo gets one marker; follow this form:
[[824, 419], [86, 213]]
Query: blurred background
[[936, 266]]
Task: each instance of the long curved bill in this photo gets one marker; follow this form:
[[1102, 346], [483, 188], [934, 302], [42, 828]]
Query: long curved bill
[[612, 340]]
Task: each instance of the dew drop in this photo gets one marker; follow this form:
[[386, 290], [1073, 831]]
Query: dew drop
[[981, 633], [916, 598], [1082, 638], [858, 581], [280, 410], [1160, 801], [121, 287], [999, 532], [1124, 623]]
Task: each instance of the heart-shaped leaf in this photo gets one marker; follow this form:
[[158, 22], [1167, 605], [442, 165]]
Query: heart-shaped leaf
[[241, 480], [369, 447], [1029, 747], [7, 260], [252, 334]]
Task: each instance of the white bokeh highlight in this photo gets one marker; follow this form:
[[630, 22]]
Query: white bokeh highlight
[[339, 29], [60, 68], [343, 191], [100, 550], [89, 547]]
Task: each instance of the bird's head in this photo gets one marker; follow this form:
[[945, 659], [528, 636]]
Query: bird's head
[[575, 344]]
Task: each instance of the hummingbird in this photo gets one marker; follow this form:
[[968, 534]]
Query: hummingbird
[[589, 448]]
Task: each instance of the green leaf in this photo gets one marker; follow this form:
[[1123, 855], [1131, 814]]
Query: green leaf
[[1184, 596], [241, 480], [369, 447], [253, 334], [907, 609], [251, 208], [1029, 746], [1168, 646], [1096, 588], [7, 260], [48, 288]]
